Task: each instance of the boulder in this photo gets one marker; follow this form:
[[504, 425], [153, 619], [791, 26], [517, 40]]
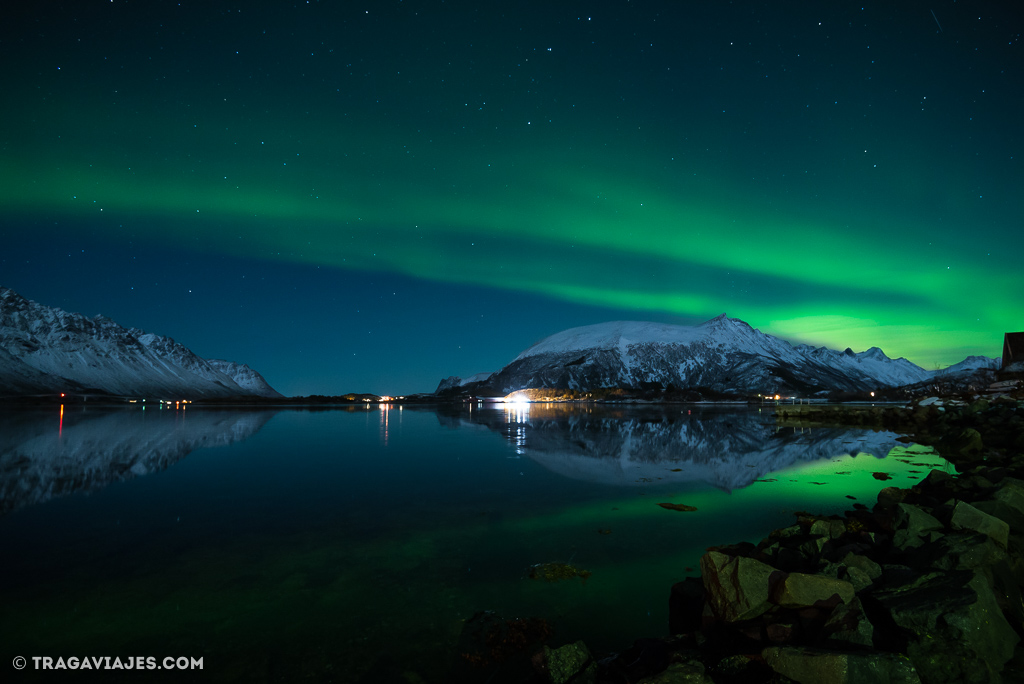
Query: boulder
[[849, 625], [961, 550], [966, 442], [571, 662], [741, 668], [800, 590], [863, 563], [1007, 504], [912, 526], [890, 496], [495, 649], [980, 406], [967, 517], [829, 529], [858, 578], [937, 477], [815, 666], [1010, 515], [736, 587], [690, 672], [955, 630], [854, 575]]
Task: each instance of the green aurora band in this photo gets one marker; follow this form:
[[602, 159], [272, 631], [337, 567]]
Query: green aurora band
[[839, 258]]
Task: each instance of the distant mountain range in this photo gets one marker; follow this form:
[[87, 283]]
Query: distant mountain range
[[723, 354], [45, 350]]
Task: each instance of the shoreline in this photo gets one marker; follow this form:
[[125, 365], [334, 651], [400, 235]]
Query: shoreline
[[925, 586]]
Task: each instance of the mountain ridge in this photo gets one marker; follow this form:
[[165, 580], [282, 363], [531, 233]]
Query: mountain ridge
[[723, 354], [46, 350]]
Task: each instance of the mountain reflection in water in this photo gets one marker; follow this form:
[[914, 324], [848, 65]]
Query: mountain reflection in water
[[326, 544], [626, 446], [43, 456]]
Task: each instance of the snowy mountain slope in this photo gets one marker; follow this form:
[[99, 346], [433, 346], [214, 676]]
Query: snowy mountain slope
[[724, 354], [454, 381], [245, 377], [46, 350], [970, 365]]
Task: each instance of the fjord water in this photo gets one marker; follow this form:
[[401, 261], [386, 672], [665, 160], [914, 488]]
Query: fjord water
[[343, 544]]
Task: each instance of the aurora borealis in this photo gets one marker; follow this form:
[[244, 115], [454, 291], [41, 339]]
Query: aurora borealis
[[369, 197]]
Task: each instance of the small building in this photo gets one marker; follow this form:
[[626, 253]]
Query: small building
[[1013, 348]]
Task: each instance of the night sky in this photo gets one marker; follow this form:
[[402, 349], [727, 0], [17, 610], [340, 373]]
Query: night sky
[[372, 196]]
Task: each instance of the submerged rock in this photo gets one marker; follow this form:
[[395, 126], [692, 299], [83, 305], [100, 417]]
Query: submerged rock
[[569, 663], [677, 507], [497, 650], [555, 572]]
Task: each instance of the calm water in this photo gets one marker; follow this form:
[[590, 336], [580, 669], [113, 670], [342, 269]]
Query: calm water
[[279, 545]]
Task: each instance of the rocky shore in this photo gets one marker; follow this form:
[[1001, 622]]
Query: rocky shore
[[925, 586]]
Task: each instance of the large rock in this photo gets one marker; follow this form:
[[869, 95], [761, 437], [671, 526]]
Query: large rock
[[848, 624], [967, 442], [888, 497], [859, 570], [869, 567], [814, 666], [967, 517], [571, 662], [957, 634], [494, 649], [690, 672], [827, 530], [913, 526], [736, 587], [1007, 504], [962, 550], [800, 590]]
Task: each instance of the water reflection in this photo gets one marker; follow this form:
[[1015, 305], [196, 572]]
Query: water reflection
[[635, 446], [375, 531], [91, 449]]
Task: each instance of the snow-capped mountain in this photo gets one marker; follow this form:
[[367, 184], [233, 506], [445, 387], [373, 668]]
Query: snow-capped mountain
[[454, 381], [970, 365], [45, 350], [245, 377], [723, 354]]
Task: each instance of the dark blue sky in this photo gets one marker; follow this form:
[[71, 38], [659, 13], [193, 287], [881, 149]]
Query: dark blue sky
[[370, 198]]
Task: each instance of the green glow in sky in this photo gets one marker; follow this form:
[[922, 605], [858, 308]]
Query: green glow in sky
[[845, 212]]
